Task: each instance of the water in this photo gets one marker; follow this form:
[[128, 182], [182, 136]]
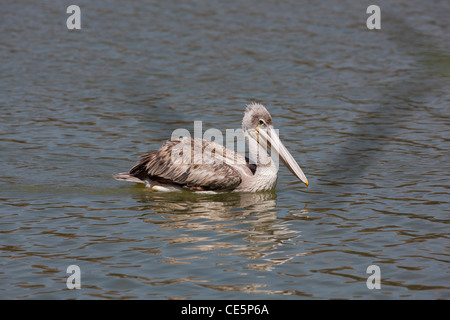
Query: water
[[365, 113]]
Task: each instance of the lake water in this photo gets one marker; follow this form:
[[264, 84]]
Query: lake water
[[364, 112]]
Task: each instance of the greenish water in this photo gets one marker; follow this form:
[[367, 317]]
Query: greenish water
[[365, 113]]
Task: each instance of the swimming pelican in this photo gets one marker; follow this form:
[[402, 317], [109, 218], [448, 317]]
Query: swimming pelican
[[174, 166]]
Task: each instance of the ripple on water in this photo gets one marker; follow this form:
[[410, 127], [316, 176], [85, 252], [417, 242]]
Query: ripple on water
[[365, 114]]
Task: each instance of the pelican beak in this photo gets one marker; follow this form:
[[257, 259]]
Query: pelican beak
[[275, 145]]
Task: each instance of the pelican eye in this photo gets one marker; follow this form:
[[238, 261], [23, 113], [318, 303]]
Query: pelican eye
[[261, 122]]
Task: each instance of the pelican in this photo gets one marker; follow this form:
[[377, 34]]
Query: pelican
[[175, 167]]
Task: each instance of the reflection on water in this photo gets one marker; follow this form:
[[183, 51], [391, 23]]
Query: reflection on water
[[228, 214]]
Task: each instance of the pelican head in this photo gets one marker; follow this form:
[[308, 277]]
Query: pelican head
[[257, 124]]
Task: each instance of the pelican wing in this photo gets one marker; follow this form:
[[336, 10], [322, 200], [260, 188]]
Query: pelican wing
[[194, 164]]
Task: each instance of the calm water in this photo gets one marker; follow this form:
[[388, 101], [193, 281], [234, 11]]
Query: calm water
[[365, 113]]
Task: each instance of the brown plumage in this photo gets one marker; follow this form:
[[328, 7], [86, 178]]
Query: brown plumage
[[175, 164]]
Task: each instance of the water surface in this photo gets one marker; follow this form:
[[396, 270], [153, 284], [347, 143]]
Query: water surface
[[365, 113]]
